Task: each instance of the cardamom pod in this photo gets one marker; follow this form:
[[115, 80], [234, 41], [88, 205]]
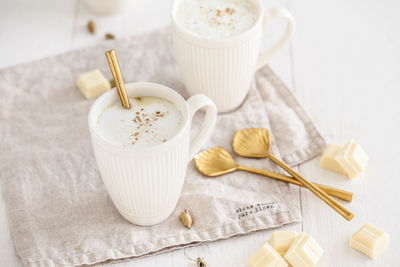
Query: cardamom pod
[[91, 27], [186, 219], [201, 262], [109, 36]]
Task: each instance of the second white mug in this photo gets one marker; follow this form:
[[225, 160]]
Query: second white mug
[[223, 69]]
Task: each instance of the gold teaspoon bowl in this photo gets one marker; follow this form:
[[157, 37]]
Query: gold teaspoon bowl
[[252, 143], [217, 161], [255, 143]]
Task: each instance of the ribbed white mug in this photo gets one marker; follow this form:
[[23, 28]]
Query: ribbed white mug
[[145, 183], [223, 69]]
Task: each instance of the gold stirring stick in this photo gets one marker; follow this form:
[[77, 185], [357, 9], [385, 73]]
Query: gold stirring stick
[[255, 143], [119, 82]]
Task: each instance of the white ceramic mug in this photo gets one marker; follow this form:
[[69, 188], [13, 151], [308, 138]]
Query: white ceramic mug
[[145, 182], [223, 69]]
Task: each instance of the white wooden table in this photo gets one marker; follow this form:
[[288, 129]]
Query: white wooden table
[[343, 65]]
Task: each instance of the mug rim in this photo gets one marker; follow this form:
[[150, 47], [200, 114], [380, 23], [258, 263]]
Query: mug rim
[[230, 39], [112, 93]]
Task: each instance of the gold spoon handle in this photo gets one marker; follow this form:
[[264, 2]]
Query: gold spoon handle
[[335, 192], [119, 82], [348, 215]]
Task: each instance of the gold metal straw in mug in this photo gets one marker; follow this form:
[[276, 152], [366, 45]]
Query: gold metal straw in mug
[[119, 82], [256, 143]]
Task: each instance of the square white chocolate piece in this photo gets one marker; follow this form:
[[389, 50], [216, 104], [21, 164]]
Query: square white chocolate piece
[[352, 158], [370, 240], [282, 240], [266, 256], [328, 161], [92, 83], [304, 251]]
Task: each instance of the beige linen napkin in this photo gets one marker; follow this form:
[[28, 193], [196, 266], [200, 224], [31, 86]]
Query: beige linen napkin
[[59, 211]]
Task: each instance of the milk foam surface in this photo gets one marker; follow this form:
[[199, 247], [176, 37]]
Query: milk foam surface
[[216, 19], [149, 121]]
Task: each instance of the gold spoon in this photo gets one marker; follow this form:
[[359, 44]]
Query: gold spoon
[[217, 161], [119, 82], [255, 143]]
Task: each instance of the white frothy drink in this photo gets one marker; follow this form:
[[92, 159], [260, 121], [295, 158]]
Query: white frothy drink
[[149, 121], [216, 19]]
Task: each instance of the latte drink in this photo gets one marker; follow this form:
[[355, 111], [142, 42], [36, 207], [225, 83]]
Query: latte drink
[[149, 121], [143, 152], [217, 46], [217, 19]]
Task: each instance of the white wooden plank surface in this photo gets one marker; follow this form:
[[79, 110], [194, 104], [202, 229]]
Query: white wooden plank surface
[[34, 29], [344, 65], [346, 68]]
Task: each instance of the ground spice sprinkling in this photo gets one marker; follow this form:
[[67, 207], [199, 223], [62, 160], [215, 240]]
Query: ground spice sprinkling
[[143, 121]]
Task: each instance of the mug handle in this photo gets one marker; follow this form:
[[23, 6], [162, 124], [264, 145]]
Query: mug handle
[[197, 102], [276, 13]]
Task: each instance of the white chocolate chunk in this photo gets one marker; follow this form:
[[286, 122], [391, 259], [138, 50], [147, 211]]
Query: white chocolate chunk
[[370, 240], [92, 83], [352, 158], [266, 256], [304, 251], [328, 161], [281, 241]]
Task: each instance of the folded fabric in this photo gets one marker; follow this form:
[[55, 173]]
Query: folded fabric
[[59, 211]]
